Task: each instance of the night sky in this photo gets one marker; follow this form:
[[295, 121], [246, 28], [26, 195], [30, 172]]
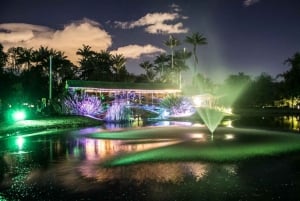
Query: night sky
[[250, 36]]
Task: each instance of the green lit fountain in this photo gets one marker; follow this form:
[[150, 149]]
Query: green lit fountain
[[212, 107]]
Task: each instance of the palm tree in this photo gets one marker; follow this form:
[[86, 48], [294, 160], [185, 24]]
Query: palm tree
[[13, 59], [119, 62], [161, 62], [180, 57], [86, 61], [85, 52], [3, 58], [196, 39], [149, 68], [25, 58], [171, 43]]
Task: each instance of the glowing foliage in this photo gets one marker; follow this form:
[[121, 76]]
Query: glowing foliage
[[82, 104], [118, 112], [177, 105]]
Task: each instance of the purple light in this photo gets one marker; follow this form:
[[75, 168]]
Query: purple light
[[82, 105]]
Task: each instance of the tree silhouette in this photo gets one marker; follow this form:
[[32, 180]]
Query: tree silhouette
[[149, 68], [172, 42], [196, 39], [291, 77], [119, 62]]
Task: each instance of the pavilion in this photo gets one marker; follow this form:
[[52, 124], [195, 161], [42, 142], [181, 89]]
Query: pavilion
[[142, 93]]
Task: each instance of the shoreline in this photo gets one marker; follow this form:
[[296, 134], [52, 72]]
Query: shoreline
[[46, 124]]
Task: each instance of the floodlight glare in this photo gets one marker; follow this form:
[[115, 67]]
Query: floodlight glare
[[18, 115]]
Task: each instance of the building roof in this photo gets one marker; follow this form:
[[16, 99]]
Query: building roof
[[122, 86]]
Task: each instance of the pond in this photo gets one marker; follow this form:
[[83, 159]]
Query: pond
[[89, 164]]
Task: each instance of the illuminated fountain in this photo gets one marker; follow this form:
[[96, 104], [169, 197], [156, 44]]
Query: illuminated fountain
[[210, 110], [214, 105]]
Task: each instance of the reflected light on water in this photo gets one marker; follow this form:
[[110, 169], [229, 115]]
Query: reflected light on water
[[198, 125], [227, 123], [159, 172], [199, 137], [229, 136], [88, 130], [102, 149], [293, 122], [20, 142]]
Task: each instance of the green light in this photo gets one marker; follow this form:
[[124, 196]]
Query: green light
[[19, 115], [20, 142]]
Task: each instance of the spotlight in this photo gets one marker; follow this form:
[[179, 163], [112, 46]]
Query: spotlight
[[18, 115]]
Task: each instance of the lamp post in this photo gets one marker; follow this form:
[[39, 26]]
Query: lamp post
[[180, 78], [50, 78]]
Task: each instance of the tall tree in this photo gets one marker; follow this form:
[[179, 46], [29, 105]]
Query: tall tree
[[119, 62], [3, 59], [172, 42], [95, 65], [13, 54], [149, 68], [62, 69], [104, 66], [291, 77], [26, 58], [263, 91], [180, 56], [86, 61], [85, 52], [161, 64], [196, 39]]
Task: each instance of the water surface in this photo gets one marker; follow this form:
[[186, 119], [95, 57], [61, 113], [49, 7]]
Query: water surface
[[69, 166]]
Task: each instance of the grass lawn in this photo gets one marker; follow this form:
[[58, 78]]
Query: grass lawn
[[45, 123]]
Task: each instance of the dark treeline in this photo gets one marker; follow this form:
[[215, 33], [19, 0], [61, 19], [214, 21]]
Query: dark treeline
[[24, 74]]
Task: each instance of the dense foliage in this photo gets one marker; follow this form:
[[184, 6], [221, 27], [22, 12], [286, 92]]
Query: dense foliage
[[81, 104], [24, 74], [176, 104]]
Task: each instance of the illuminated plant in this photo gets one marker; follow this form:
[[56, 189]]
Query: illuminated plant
[[81, 104], [118, 112], [176, 104]]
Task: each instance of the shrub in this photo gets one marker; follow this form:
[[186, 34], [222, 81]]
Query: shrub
[[118, 112], [81, 104], [176, 104]]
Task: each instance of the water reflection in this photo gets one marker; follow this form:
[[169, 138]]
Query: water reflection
[[98, 149], [68, 152], [79, 160], [286, 122], [289, 122], [70, 167], [141, 173]]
